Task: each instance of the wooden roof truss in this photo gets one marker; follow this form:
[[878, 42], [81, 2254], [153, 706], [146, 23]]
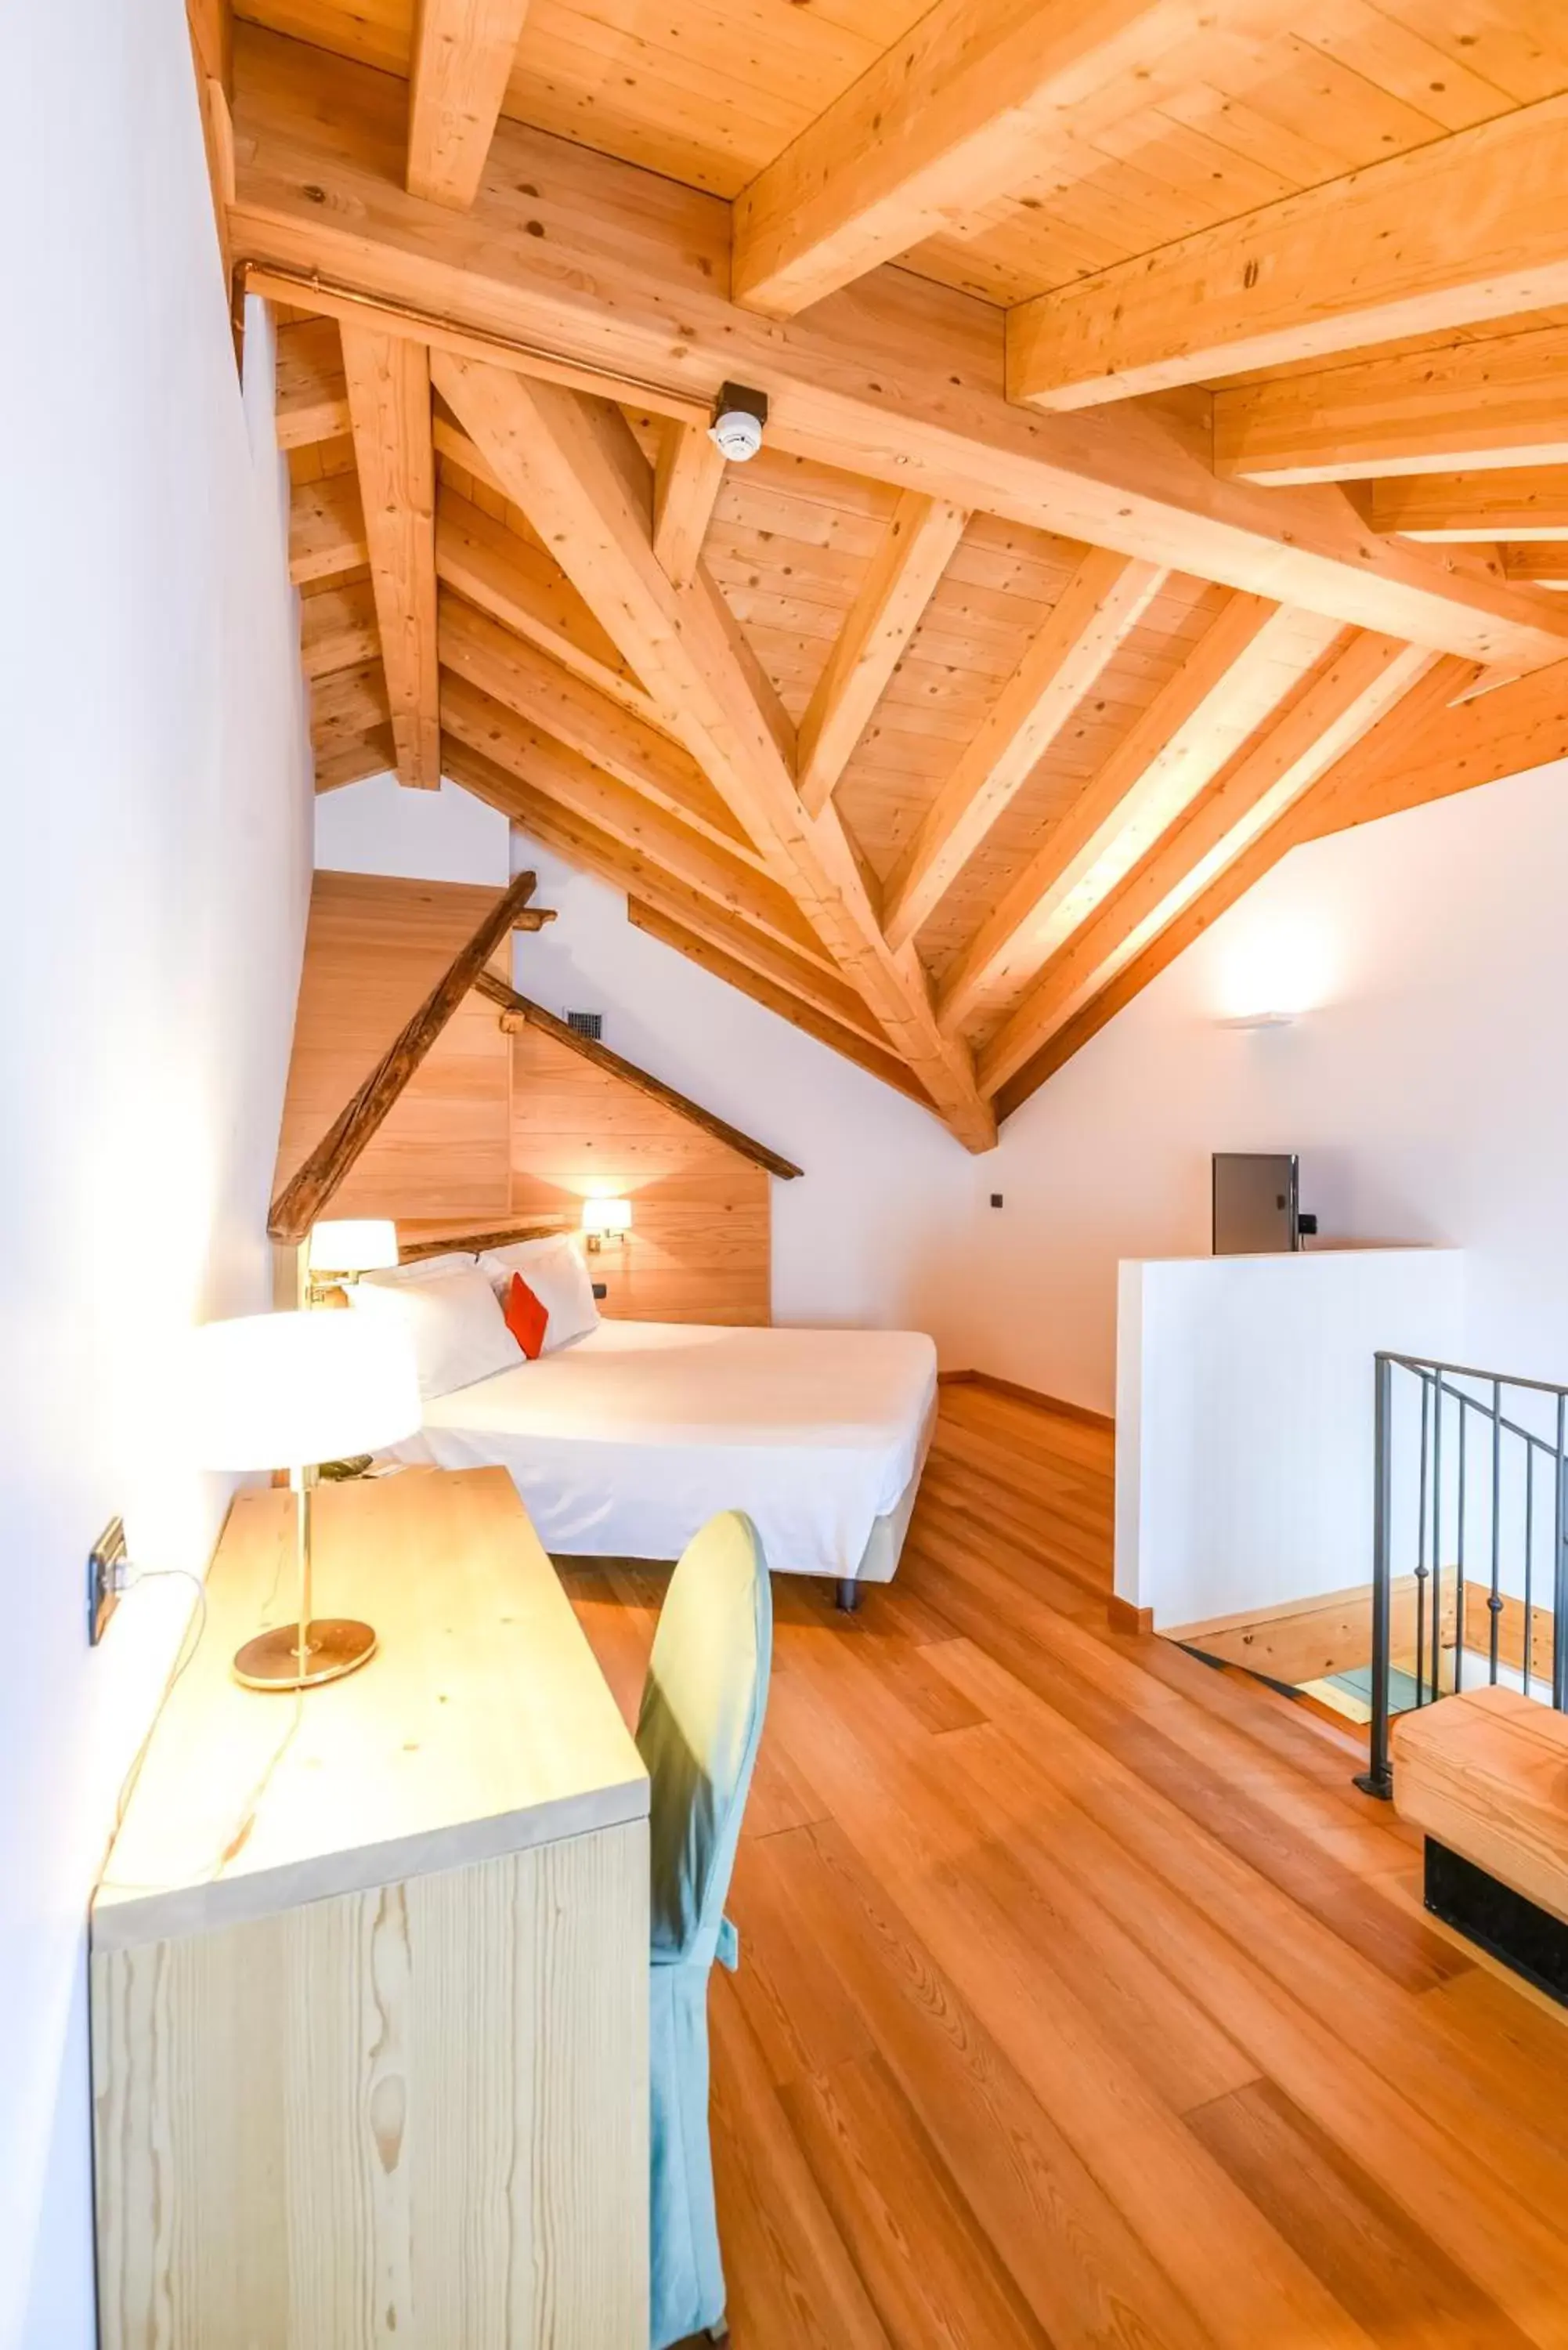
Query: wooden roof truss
[[1166, 459]]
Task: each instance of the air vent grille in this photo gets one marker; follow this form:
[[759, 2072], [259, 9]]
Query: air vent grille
[[588, 1023]]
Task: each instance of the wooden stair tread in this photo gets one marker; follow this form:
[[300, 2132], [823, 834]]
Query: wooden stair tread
[[1486, 1773]]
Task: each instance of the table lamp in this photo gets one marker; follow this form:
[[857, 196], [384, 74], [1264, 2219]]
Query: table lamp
[[289, 1391]]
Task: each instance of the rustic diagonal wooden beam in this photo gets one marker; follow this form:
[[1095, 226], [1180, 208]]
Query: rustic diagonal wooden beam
[[313, 1184], [520, 1012]]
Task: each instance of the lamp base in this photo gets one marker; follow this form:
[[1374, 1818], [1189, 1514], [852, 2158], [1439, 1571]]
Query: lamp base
[[336, 1644]]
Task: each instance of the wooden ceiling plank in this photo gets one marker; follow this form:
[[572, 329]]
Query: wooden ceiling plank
[[1100, 606], [310, 395], [389, 402], [458, 70], [570, 467], [1356, 683], [904, 572], [523, 587], [811, 1022], [971, 104], [326, 529], [351, 762], [686, 480], [578, 785], [593, 850], [320, 1173], [1493, 401], [348, 703], [903, 380], [1478, 509], [337, 628], [1179, 724], [1467, 228], [525, 681], [518, 1012]]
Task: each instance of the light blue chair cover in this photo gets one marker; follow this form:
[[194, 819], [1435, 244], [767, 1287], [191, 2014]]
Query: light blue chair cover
[[698, 1731]]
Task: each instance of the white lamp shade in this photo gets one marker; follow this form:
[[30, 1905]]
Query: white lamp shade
[[607, 1215], [287, 1391], [356, 1245]]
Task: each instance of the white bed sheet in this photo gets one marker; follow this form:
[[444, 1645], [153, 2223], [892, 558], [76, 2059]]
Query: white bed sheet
[[625, 1443]]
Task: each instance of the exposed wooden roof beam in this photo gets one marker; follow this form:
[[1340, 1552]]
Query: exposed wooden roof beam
[[904, 574], [389, 402], [527, 753], [1356, 683], [514, 581], [1494, 401], [1467, 228], [969, 104], [1098, 608], [537, 688], [326, 529], [1430, 745], [854, 1046], [630, 869], [311, 396], [520, 1012], [1543, 563], [903, 382], [458, 70], [686, 480], [1180, 740], [1480, 507], [337, 628], [571, 468], [318, 1176]]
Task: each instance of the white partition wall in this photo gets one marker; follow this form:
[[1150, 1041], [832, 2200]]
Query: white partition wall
[[1244, 1396]]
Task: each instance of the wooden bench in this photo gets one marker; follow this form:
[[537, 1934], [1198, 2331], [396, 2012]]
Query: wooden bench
[[1484, 1775]]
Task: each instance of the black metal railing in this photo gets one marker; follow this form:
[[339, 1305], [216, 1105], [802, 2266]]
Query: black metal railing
[[1470, 1492]]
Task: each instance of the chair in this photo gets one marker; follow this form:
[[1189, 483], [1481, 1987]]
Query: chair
[[698, 1731]]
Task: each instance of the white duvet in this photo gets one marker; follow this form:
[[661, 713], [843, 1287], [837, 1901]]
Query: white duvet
[[625, 1443]]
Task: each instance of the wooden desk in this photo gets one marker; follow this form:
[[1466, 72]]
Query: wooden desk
[[369, 1967]]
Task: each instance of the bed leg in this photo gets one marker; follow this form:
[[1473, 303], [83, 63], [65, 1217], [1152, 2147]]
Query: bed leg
[[848, 1594]]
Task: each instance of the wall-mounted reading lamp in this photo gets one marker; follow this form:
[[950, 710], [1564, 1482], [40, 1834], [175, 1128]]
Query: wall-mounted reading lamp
[[606, 1220], [339, 1251]]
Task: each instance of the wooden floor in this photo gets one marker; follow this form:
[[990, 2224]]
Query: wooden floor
[[1081, 1999]]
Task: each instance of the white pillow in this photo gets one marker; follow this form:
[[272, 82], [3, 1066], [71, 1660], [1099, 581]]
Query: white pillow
[[458, 1331], [555, 1272], [427, 1268]]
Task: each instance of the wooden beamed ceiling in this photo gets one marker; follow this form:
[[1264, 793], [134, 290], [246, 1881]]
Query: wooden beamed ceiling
[[1166, 460]]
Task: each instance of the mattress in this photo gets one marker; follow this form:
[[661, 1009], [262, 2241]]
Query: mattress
[[625, 1443]]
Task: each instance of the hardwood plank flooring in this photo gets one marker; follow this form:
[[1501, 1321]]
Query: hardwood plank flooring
[[1081, 1999]]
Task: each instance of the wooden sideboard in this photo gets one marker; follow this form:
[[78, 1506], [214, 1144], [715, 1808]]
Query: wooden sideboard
[[369, 1967]]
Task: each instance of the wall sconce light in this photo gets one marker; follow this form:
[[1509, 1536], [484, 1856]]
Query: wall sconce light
[[606, 1219], [1260, 1020], [340, 1251]]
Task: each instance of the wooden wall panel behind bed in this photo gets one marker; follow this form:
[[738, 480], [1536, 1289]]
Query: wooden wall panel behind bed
[[698, 1250], [374, 948], [493, 1129]]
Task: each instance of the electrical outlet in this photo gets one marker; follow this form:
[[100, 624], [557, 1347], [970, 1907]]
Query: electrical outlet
[[106, 1568]]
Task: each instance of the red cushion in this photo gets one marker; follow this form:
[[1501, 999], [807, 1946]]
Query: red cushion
[[525, 1318]]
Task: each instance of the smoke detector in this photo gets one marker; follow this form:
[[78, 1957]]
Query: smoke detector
[[739, 416]]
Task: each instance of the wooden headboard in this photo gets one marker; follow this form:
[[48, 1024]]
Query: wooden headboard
[[509, 1125]]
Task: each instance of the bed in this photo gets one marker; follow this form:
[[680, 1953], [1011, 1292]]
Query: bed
[[625, 1442]]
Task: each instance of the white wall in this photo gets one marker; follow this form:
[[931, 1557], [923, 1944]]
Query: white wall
[[1424, 1087], [1244, 1418], [874, 1232], [156, 833]]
